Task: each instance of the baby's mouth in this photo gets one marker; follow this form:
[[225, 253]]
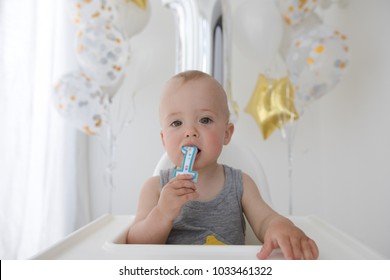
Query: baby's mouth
[[198, 151]]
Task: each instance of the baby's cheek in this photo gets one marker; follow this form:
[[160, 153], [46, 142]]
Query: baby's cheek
[[176, 158]]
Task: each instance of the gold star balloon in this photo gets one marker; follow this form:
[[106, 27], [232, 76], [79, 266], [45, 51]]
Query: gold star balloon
[[272, 104]]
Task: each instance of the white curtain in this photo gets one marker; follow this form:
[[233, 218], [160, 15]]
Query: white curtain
[[43, 161]]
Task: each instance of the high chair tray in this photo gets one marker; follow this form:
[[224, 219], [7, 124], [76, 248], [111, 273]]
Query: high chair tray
[[104, 238]]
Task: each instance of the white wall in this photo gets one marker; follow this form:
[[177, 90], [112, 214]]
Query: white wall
[[341, 153]]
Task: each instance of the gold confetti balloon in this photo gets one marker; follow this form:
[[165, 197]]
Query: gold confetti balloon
[[130, 16], [80, 101], [102, 52], [296, 11], [316, 61], [272, 104], [92, 11]]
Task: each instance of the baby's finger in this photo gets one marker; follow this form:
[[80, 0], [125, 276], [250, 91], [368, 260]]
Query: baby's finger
[[314, 249], [185, 190], [265, 251], [296, 246], [177, 184], [306, 250], [189, 196], [182, 177], [286, 248]]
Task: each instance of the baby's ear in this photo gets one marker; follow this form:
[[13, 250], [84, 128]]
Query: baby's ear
[[162, 138], [228, 133]]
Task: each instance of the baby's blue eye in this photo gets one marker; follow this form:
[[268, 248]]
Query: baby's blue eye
[[205, 120], [176, 123]]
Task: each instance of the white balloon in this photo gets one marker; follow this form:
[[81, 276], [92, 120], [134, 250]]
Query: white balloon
[[131, 18], [294, 11], [258, 30], [81, 102], [316, 60], [91, 12], [102, 53], [294, 31]]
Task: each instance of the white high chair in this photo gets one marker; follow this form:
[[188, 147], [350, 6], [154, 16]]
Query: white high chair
[[105, 237], [239, 158]]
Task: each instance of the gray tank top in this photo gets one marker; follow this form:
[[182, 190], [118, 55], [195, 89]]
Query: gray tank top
[[218, 221]]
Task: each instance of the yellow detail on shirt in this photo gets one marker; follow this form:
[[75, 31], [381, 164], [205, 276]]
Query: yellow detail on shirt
[[212, 240]]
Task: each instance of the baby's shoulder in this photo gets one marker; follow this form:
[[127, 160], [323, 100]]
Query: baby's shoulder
[[240, 175], [152, 185], [247, 182]]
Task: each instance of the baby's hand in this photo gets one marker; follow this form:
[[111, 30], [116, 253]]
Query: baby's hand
[[293, 242], [175, 194]]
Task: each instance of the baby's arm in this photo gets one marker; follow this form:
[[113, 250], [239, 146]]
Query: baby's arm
[[157, 209], [274, 230]]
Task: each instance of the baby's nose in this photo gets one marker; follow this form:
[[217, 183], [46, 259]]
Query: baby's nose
[[191, 133]]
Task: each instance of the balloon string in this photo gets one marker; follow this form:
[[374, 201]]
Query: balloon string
[[287, 125], [129, 115], [111, 146], [111, 143], [288, 128], [289, 140]]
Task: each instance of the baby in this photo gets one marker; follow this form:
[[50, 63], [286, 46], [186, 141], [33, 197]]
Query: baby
[[176, 210]]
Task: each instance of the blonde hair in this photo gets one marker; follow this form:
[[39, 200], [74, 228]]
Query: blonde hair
[[191, 75]]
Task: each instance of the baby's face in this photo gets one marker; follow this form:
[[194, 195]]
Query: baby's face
[[195, 113]]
